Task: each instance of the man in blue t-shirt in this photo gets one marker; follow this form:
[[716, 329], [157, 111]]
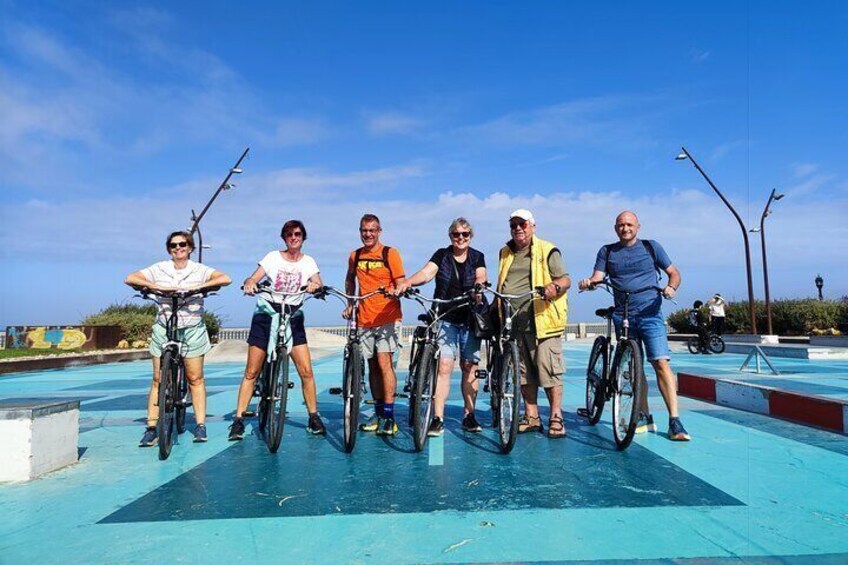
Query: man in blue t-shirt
[[633, 264]]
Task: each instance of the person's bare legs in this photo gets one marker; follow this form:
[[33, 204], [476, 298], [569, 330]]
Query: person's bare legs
[[667, 384], [387, 371], [303, 363], [197, 385], [153, 396], [443, 386], [469, 386], [255, 361]]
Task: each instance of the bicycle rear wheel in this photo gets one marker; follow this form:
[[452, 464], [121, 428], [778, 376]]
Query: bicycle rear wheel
[[351, 392], [415, 361], [425, 387], [509, 397], [694, 345], [492, 363], [628, 389], [596, 374], [182, 398], [277, 394], [716, 344], [167, 395], [262, 407]]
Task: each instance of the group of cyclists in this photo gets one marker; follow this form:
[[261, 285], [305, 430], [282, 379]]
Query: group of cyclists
[[525, 262]]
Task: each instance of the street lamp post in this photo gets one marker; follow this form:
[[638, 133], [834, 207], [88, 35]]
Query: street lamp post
[[686, 155], [819, 285], [762, 229], [225, 185]]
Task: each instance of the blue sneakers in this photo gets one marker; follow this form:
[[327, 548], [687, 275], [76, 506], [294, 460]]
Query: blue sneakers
[[150, 437], [200, 433], [676, 431]]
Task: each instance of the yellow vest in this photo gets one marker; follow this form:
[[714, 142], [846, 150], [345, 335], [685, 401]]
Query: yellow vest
[[550, 317]]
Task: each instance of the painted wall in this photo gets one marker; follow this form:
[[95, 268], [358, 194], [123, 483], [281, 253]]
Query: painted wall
[[62, 337]]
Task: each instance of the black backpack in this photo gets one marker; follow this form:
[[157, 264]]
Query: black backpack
[[649, 247]]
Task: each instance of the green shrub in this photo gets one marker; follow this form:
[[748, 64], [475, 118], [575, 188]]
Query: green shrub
[[788, 316], [136, 320]]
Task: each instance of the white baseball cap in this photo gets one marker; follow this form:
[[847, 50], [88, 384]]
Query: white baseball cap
[[524, 215]]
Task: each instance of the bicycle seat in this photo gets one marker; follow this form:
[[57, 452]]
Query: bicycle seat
[[425, 318], [605, 312]]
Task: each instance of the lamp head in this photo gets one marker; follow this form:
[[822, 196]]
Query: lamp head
[[681, 157], [778, 196]]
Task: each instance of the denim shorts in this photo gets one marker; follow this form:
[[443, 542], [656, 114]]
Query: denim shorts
[[649, 330], [457, 340], [260, 330]]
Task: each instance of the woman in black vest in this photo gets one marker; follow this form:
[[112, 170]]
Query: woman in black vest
[[456, 269]]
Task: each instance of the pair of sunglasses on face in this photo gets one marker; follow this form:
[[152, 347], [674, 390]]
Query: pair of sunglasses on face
[[460, 234], [177, 244], [518, 224]]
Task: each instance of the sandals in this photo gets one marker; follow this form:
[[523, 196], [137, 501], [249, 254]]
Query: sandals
[[556, 427], [529, 424]]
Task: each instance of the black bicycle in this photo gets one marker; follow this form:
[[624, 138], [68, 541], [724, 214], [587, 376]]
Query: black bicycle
[[424, 360], [502, 373], [353, 371], [623, 383], [174, 395], [715, 344], [272, 387]]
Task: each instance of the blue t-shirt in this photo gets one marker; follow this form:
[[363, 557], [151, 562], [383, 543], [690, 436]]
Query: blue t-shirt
[[632, 268]]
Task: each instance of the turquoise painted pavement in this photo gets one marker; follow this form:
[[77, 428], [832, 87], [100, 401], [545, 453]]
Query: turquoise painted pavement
[[747, 486]]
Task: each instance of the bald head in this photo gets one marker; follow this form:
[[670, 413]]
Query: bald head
[[630, 216], [627, 227]]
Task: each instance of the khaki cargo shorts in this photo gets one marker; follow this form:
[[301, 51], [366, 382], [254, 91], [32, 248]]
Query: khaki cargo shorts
[[541, 360]]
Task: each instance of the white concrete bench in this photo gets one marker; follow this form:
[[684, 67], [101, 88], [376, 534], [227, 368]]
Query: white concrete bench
[[37, 437]]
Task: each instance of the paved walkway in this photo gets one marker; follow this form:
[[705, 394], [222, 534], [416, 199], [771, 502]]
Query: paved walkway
[[747, 486]]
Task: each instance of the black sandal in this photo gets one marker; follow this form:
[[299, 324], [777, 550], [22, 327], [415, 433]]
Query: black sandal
[[556, 427]]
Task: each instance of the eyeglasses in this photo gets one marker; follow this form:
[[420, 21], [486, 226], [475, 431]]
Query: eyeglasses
[[368, 231], [176, 244], [294, 234], [518, 224], [462, 234]]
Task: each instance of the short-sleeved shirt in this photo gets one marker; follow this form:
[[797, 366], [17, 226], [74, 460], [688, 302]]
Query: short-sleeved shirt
[[457, 273], [632, 268], [518, 282], [288, 276], [192, 275], [716, 307], [372, 273]]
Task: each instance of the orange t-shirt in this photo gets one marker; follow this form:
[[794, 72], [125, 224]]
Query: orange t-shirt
[[371, 274]]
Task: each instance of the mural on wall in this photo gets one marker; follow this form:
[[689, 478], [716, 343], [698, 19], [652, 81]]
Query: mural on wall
[[60, 337]]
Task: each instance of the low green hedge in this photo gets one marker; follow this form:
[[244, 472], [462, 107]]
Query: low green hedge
[[136, 320]]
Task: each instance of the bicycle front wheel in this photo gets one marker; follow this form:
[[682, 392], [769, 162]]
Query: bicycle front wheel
[[716, 344], [351, 392], [182, 398], [278, 394], [425, 387], [492, 359], [596, 375], [509, 397], [168, 367], [694, 345], [628, 389]]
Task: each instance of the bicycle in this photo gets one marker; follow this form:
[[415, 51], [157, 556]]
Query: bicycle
[[503, 381], [715, 344], [174, 395], [353, 371], [273, 385], [424, 360], [624, 381]]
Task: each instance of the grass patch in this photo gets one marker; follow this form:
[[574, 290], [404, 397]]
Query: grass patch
[[15, 353]]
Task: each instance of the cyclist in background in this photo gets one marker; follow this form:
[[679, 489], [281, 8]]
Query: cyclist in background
[[632, 264], [180, 273], [289, 270], [456, 268], [696, 319], [371, 267]]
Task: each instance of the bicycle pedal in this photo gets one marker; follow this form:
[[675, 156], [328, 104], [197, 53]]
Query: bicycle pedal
[[335, 390], [401, 395], [291, 384], [407, 387], [481, 374], [248, 414], [486, 387], [369, 401]]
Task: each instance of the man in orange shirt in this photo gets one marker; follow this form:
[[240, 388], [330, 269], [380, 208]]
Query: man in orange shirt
[[370, 267]]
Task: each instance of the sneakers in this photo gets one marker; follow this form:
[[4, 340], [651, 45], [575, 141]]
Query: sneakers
[[529, 424], [200, 434], [372, 425], [676, 431], [150, 437], [646, 424], [315, 425], [388, 427], [237, 430], [437, 427], [470, 424]]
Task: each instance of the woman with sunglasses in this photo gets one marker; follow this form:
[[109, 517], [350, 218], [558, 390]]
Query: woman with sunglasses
[[288, 270], [456, 268], [180, 273]]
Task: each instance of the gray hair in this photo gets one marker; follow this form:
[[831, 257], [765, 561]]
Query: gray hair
[[460, 221]]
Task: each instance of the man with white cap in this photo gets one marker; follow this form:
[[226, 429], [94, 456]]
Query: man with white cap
[[527, 262], [716, 305]]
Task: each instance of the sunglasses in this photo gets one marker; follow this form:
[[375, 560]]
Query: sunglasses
[[462, 234], [518, 224], [294, 234], [177, 244]]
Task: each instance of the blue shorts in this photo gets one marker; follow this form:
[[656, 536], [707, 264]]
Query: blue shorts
[[649, 330], [260, 329], [457, 340]]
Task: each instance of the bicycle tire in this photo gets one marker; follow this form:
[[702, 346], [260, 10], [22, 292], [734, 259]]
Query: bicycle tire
[[351, 392], [509, 398], [425, 382], [277, 394], [262, 408], [415, 356], [167, 389], [182, 395], [694, 345], [716, 344], [629, 378], [493, 357], [596, 376]]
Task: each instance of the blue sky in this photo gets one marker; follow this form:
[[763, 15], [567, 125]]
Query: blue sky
[[118, 119]]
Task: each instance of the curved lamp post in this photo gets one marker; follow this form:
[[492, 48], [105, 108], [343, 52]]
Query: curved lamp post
[[762, 229], [686, 155]]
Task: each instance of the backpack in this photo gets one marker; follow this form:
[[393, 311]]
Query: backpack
[[384, 260], [649, 247]]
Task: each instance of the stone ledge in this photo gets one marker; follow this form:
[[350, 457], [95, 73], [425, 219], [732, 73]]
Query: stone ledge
[[75, 360]]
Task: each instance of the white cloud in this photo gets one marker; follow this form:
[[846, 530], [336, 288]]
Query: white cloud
[[699, 55], [392, 123], [800, 170]]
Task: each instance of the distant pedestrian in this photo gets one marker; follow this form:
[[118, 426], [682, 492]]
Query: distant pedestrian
[[716, 305]]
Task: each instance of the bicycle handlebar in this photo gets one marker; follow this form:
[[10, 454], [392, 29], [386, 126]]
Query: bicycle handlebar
[[145, 292]]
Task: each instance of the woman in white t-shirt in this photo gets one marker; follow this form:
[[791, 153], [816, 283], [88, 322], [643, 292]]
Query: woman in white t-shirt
[[288, 270], [180, 273]]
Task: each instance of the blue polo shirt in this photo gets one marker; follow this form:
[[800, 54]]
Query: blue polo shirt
[[632, 268]]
